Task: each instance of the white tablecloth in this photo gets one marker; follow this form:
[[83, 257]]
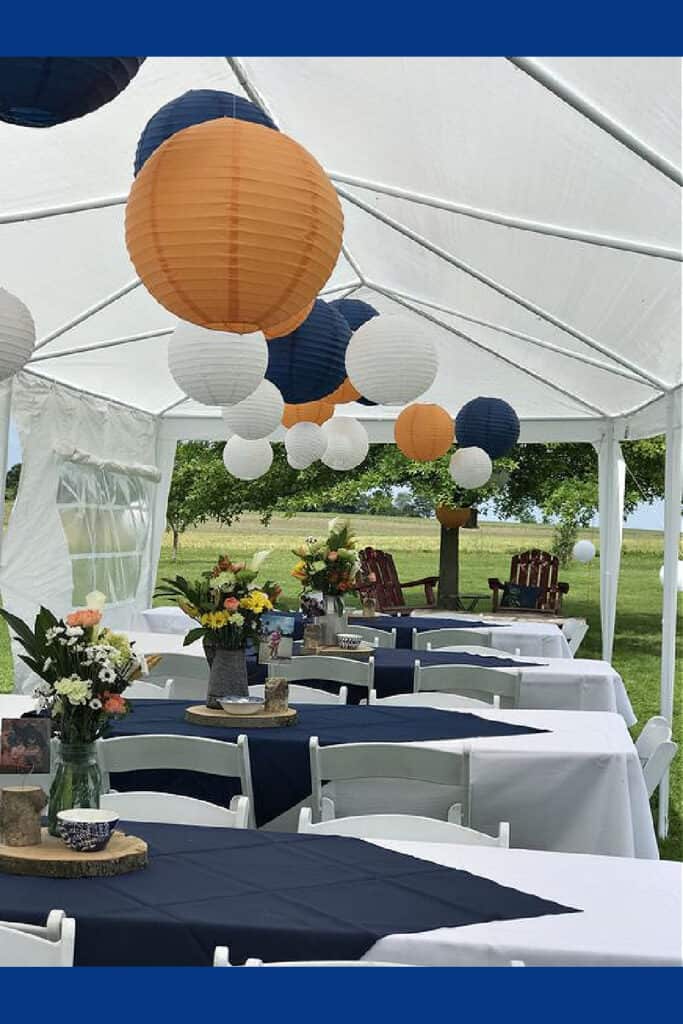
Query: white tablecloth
[[534, 639], [573, 684], [631, 912], [577, 788], [166, 619]]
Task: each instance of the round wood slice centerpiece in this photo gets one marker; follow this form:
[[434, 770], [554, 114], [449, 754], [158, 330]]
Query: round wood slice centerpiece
[[199, 714], [52, 859]]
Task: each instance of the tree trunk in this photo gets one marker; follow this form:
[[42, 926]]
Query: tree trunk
[[449, 569], [176, 541]]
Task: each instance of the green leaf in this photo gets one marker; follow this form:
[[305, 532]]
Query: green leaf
[[193, 635]]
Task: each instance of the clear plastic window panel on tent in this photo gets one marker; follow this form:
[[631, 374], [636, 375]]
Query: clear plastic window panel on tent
[[105, 517]]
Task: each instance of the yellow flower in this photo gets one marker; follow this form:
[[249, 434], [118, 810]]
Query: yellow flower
[[214, 620], [256, 602]]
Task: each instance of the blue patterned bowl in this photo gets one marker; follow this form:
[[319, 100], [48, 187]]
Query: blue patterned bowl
[[86, 829]]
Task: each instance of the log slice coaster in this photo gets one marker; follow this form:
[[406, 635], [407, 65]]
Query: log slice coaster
[[199, 714], [53, 859]]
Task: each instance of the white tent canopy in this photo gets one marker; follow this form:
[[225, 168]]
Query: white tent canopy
[[528, 211]]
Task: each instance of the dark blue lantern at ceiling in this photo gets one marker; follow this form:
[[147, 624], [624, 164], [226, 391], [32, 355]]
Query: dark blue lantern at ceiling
[[309, 363], [195, 107], [488, 423], [39, 92], [355, 311]]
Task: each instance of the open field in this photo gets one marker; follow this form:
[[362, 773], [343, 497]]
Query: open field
[[484, 552]]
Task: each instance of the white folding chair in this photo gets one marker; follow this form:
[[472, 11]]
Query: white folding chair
[[376, 637], [190, 675], [173, 809], [140, 690], [469, 681], [347, 671], [432, 700], [221, 958], [26, 945], [408, 827], [574, 631], [306, 694], [189, 753], [433, 639], [378, 778], [656, 751]]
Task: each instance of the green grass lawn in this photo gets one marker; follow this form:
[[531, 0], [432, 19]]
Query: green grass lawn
[[484, 552]]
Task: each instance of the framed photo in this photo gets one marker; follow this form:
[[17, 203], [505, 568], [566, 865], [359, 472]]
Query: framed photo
[[277, 637], [25, 746]]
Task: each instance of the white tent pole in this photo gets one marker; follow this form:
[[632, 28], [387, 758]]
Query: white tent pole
[[551, 346], [5, 413], [494, 217], [165, 460], [112, 343], [41, 213], [611, 480], [598, 117], [340, 288], [86, 314], [173, 405], [501, 289], [86, 391], [673, 486], [486, 348]]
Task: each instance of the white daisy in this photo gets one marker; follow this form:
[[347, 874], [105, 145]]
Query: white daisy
[[106, 675]]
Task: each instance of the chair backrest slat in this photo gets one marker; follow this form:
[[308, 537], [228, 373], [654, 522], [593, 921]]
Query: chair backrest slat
[[306, 694], [327, 667], [436, 638], [376, 637], [469, 681]]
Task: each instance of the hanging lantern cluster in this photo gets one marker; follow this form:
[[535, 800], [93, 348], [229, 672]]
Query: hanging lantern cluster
[[17, 334], [391, 360], [214, 367]]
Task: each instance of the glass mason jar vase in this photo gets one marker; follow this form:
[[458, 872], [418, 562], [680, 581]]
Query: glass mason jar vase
[[77, 781]]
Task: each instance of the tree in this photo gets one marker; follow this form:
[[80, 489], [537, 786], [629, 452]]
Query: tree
[[12, 482]]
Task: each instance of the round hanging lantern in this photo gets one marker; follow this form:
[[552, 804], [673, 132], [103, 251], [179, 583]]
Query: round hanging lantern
[[305, 443], [343, 394], [287, 326], [391, 359], [258, 415], [309, 363], [39, 92], [355, 311], [470, 467], [233, 226], [679, 582], [216, 368], [195, 107], [247, 460], [17, 334], [424, 432], [488, 423], [583, 551], [307, 412], [347, 443]]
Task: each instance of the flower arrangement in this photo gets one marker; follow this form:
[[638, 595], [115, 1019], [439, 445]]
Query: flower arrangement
[[84, 668], [226, 601], [328, 565]]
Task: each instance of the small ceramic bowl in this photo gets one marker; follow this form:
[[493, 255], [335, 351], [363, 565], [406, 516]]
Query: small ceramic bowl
[[349, 641], [241, 705], [86, 829]]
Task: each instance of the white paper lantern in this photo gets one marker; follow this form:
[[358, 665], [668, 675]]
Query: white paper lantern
[[347, 443], [470, 467], [17, 334], [247, 460], [304, 444], [258, 415], [216, 368], [391, 359], [679, 583], [583, 551]]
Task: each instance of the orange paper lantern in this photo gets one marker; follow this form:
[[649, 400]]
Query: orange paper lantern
[[307, 412], [281, 330], [233, 226], [424, 432], [344, 393]]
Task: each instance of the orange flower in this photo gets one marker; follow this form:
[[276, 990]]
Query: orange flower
[[85, 617], [231, 604], [114, 704]]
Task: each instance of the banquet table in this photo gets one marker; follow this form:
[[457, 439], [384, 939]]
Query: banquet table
[[280, 896], [576, 787], [537, 639]]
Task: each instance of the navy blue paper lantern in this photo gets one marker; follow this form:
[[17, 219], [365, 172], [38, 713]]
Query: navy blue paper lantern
[[355, 311], [488, 423], [39, 92], [195, 107], [309, 363]]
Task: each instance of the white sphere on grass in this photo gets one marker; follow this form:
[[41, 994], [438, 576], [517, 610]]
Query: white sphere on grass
[[470, 467], [679, 581], [257, 415], [247, 460], [304, 444], [347, 443], [583, 551], [392, 359], [215, 367], [17, 334]]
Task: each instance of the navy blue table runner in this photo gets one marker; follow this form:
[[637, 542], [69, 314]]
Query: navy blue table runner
[[280, 764], [269, 895], [405, 624]]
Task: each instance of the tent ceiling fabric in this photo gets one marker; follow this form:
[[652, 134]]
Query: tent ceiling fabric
[[469, 131]]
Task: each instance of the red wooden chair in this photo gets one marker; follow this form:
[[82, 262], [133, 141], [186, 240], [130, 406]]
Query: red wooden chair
[[387, 590], [534, 568]]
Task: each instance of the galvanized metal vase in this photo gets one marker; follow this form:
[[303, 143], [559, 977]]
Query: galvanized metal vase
[[227, 674], [333, 620]]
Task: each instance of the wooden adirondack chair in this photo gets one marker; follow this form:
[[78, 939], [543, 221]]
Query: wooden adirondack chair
[[534, 568], [387, 589]]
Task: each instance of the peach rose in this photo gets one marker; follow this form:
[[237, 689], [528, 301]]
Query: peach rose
[[114, 704], [231, 604], [85, 617]]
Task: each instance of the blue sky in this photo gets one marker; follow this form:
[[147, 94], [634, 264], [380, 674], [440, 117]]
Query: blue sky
[[645, 517]]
